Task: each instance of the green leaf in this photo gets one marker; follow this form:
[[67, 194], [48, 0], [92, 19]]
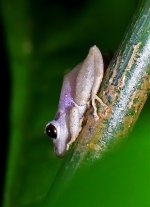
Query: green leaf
[[43, 41]]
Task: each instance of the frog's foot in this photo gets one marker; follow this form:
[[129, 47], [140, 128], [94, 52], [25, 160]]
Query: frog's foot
[[70, 143], [94, 98], [73, 139]]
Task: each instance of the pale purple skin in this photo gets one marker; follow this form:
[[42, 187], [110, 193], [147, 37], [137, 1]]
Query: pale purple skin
[[62, 118], [80, 86]]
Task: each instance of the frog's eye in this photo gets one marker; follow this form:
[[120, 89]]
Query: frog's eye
[[51, 131]]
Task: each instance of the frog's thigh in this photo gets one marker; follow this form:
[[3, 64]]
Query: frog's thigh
[[83, 88], [98, 76], [75, 124], [97, 81], [89, 77]]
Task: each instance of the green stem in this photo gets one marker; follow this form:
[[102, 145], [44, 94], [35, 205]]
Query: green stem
[[124, 90]]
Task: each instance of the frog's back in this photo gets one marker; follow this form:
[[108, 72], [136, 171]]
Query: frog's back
[[68, 89]]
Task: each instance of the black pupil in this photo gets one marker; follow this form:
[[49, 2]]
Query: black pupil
[[51, 131]]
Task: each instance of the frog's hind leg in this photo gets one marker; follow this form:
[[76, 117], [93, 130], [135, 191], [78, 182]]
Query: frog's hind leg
[[94, 98], [98, 76]]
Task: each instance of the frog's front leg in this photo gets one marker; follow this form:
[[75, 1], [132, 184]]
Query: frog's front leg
[[74, 124]]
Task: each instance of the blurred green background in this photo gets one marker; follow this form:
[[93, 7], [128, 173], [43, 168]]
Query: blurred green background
[[42, 40]]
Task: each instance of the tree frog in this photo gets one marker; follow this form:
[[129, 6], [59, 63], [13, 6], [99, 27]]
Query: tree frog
[[79, 90]]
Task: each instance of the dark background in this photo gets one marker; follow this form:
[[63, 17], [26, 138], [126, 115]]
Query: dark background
[[5, 103]]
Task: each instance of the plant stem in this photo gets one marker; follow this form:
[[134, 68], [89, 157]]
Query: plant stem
[[124, 90]]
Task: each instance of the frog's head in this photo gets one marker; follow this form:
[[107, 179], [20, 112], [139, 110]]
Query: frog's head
[[57, 130]]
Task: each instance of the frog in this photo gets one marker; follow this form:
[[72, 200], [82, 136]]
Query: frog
[[79, 91]]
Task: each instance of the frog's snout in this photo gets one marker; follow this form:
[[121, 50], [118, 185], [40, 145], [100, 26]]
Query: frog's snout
[[59, 152]]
